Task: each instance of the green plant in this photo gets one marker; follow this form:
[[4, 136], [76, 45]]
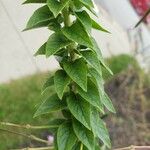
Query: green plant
[[118, 64], [80, 94]]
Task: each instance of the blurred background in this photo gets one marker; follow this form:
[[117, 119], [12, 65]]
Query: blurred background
[[127, 53]]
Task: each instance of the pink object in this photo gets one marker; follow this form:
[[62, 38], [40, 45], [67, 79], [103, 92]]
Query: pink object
[[50, 139], [141, 6]]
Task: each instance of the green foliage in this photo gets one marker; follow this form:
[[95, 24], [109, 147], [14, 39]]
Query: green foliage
[[56, 7], [99, 128], [18, 101], [49, 105], [92, 95], [49, 82], [41, 50], [77, 71], [95, 25], [79, 92], [40, 18], [26, 92], [56, 42], [76, 32], [118, 64], [88, 3], [85, 19], [92, 60], [107, 103], [33, 1], [61, 81], [80, 109], [66, 138], [84, 135]]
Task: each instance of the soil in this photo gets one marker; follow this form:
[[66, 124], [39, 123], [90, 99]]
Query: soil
[[131, 97]]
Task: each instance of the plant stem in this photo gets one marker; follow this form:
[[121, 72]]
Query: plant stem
[[28, 126], [66, 15], [38, 148], [132, 147], [32, 137], [81, 146]]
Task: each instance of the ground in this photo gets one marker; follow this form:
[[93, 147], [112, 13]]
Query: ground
[[18, 101]]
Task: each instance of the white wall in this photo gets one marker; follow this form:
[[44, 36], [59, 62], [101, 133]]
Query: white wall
[[17, 48]]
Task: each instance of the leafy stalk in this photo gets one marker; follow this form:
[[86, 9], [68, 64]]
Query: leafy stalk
[[78, 84]]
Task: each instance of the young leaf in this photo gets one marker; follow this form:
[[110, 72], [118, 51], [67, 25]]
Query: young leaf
[[51, 104], [97, 26], [77, 33], [56, 7], [77, 71], [56, 42], [40, 18], [85, 19], [48, 83], [41, 50], [80, 109], [34, 1], [83, 134], [99, 54], [66, 138], [92, 60], [108, 103], [92, 95], [61, 81], [99, 128], [87, 3]]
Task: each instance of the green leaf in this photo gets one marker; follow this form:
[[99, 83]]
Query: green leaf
[[34, 1], [98, 81], [49, 82], [76, 146], [56, 7], [56, 42], [77, 33], [83, 134], [61, 81], [99, 128], [103, 96], [41, 50], [85, 19], [97, 26], [87, 3], [66, 138], [54, 26], [108, 103], [51, 104], [56, 122], [92, 95], [40, 18], [96, 49], [99, 54], [92, 60], [77, 5], [77, 71], [80, 109]]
